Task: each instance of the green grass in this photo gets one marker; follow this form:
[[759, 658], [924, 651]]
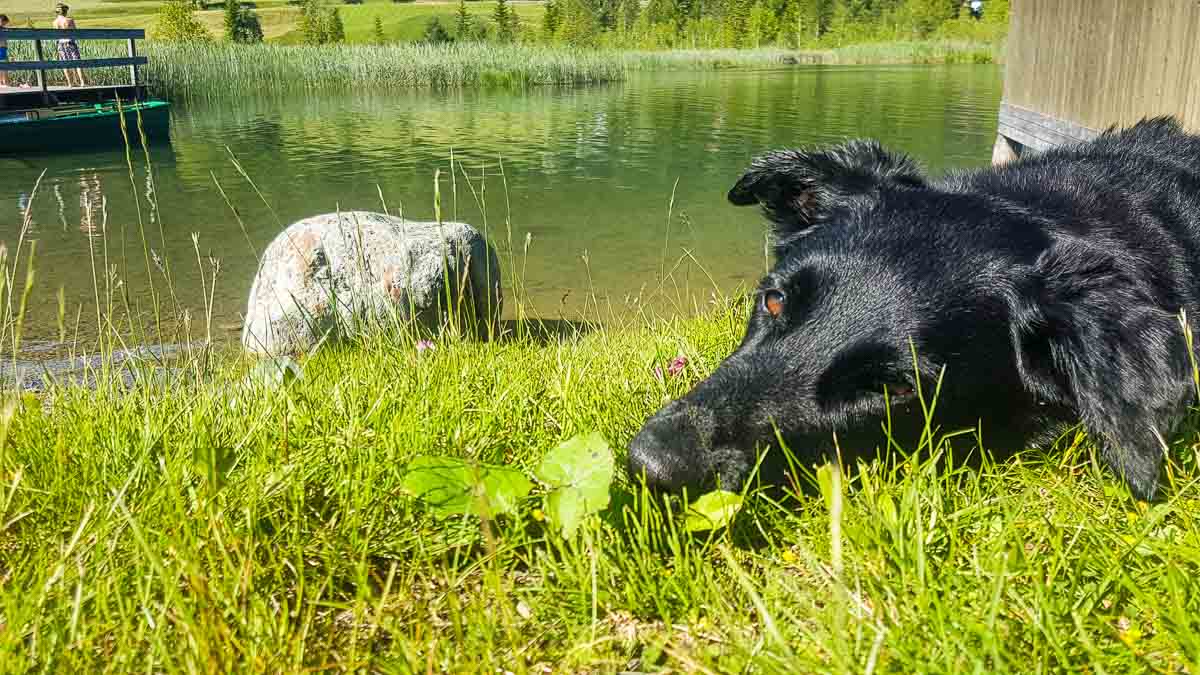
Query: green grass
[[405, 22], [219, 70], [183, 72], [190, 524], [402, 22], [921, 51], [915, 52]]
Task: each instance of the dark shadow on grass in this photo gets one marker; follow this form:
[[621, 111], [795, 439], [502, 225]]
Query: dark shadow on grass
[[544, 331]]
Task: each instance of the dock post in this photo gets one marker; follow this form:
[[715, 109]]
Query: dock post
[[133, 74], [41, 74], [1005, 150]]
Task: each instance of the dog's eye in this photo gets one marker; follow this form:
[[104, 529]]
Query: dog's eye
[[773, 302]]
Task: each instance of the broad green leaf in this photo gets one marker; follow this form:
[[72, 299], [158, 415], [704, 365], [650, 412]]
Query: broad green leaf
[[451, 486], [504, 488], [712, 511], [579, 473], [566, 509], [213, 464]]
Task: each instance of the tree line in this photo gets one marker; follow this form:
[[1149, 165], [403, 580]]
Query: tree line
[[707, 24], [715, 24], [648, 24]]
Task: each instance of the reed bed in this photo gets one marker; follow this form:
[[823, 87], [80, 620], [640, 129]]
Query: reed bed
[[216, 70], [917, 52]]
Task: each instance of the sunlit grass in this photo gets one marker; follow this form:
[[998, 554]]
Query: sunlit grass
[[228, 70], [195, 523], [223, 70]]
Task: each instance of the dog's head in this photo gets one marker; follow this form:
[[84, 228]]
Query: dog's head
[[884, 287]]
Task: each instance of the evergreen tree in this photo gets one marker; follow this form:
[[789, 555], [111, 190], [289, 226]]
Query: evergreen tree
[[761, 25], [502, 16], [336, 31], [319, 24], [312, 23], [578, 24], [435, 33], [177, 22], [462, 23], [241, 24], [251, 27], [630, 9], [739, 23], [734, 23], [550, 20], [231, 20]]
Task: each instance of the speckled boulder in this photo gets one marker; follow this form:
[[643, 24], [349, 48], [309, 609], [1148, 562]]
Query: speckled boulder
[[334, 274]]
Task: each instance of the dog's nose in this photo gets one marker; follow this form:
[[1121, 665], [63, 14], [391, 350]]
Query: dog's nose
[[665, 453]]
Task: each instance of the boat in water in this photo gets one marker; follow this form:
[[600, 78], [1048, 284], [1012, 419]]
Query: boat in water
[[84, 126]]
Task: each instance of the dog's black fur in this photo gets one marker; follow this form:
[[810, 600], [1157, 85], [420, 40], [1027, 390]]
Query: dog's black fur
[[1049, 291]]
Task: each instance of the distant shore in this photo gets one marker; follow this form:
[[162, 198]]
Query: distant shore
[[220, 69]]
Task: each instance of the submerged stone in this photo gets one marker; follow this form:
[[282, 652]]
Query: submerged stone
[[337, 274]]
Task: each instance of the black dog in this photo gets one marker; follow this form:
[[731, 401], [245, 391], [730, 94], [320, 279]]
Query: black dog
[[1044, 293]]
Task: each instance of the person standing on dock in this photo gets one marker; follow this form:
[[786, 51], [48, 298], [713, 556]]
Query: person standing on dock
[[3, 49], [68, 50]]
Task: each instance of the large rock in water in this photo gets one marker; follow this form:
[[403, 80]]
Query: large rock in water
[[334, 274]]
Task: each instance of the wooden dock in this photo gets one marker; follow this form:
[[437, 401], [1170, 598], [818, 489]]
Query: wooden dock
[[1074, 69], [45, 94], [31, 97], [47, 118]]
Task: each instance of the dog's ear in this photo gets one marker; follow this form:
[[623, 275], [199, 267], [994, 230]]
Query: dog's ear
[[798, 189], [1088, 335]]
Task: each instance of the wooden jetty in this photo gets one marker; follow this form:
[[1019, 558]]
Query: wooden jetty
[[46, 117], [1074, 69]]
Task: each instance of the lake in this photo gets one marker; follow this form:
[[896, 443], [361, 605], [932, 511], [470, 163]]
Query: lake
[[616, 192]]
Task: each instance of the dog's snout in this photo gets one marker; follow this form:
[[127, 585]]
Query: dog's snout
[[666, 453]]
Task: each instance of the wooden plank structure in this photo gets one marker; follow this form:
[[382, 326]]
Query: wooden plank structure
[[66, 119], [44, 94], [1076, 68]]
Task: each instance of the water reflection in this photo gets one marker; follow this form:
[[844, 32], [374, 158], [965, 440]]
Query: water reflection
[[91, 203], [633, 173]]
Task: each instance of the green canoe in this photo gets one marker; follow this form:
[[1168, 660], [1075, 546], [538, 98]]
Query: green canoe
[[83, 126]]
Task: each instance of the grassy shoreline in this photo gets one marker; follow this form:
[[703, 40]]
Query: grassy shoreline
[[207, 522], [222, 70]]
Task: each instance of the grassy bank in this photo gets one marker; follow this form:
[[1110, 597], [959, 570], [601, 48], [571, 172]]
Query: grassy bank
[[199, 523], [916, 52], [229, 70], [186, 71]]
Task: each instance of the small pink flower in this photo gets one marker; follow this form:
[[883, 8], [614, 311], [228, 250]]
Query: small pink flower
[[658, 373], [676, 366], [425, 346]]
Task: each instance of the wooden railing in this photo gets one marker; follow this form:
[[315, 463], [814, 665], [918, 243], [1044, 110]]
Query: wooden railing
[[41, 65]]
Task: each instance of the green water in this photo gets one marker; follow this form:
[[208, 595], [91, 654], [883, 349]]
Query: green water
[[589, 177]]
